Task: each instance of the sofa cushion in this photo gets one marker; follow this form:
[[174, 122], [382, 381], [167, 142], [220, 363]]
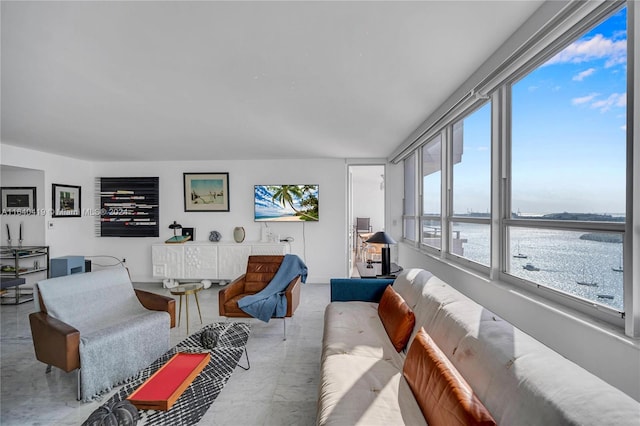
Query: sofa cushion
[[443, 395], [355, 328], [357, 390], [397, 318], [409, 285]]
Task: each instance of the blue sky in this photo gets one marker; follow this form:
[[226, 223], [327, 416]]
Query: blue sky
[[568, 127], [568, 132]]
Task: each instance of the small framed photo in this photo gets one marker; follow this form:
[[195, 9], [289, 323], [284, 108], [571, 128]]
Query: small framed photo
[[67, 200], [206, 192], [189, 232], [18, 200]]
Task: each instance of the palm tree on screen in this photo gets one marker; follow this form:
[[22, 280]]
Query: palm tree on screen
[[286, 194]]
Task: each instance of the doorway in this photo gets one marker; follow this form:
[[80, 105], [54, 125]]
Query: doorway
[[366, 200]]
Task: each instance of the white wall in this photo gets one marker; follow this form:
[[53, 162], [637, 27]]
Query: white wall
[[32, 224], [68, 236], [322, 244]]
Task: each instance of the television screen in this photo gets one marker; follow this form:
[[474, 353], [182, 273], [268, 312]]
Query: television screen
[[286, 203]]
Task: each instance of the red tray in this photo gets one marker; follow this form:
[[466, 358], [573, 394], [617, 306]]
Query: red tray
[[164, 387]]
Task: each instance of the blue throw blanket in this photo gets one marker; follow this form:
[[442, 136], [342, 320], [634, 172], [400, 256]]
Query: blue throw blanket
[[271, 301]]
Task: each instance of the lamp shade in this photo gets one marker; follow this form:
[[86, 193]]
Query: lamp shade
[[175, 225], [381, 237]]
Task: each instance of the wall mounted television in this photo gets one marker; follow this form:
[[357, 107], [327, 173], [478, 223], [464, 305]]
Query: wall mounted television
[[286, 203]]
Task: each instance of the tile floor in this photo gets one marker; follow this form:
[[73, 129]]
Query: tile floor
[[279, 389]]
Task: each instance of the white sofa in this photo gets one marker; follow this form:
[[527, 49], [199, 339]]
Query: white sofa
[[517, 378]]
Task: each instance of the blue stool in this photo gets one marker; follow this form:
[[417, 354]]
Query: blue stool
[[66, 265]]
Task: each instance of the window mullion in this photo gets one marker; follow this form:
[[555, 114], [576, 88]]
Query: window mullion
[[446, 184], [498, 250]]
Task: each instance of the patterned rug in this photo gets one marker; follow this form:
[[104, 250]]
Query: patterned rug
[[196, 399]]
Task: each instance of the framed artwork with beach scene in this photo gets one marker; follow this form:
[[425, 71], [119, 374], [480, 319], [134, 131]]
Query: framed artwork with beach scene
[[206, 192]]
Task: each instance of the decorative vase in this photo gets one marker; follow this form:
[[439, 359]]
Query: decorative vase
[[238, 234], [214, 236]]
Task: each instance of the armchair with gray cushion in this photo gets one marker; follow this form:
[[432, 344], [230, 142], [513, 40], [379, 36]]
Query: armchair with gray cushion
[[98, 324]]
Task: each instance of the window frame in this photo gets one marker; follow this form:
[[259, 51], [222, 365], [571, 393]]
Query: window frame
[[479, 103], [567, 27], [427, 217]]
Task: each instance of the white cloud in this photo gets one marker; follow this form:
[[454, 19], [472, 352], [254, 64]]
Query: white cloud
[[584, 99], [582, 75], [624, 127], [604, 105], [597, 47], [614, 100]]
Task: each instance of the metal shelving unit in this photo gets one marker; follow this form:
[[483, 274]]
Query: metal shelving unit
[[18, 262]]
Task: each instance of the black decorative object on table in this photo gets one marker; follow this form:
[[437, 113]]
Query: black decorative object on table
[[209, 338], [383, 238], [116, 413]]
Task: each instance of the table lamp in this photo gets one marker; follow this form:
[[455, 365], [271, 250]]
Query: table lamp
[[382, 237], [175, 225], [176, 239]]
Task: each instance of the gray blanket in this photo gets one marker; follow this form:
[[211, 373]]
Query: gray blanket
[[118, 336]]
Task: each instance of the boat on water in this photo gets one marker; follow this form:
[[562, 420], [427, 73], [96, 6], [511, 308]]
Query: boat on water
[[605, 296], [530, 267], [618, 268], [588, 283], [520, 255]]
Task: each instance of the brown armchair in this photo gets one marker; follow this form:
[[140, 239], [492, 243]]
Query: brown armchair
[[55, 327], [56, 343], [260, 271]]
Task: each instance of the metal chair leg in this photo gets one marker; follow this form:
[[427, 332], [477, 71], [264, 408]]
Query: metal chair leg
[[79, 384], [48, 370], [284, 323], [248, 364]]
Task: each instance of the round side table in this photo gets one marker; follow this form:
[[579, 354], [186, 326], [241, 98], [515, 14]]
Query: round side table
[[186, 290]]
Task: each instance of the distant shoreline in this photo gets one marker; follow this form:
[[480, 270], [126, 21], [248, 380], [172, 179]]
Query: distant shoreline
[[280, 219]]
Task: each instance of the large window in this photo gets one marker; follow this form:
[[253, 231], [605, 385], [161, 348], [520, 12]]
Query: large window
[[546, 149], [409, 207], [568, 162], [470, 232], [431, 224]]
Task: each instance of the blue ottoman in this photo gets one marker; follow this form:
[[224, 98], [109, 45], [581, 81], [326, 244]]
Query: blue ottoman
[[66, 265]]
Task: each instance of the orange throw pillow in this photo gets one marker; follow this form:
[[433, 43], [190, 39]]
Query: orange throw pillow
[[444, 396], [397, 317]]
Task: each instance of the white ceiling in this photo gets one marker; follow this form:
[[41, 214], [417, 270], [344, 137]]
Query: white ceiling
[[159, 80]]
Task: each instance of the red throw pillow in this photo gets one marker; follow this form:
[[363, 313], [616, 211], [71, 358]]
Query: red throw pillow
[[444, 396], [397, 317]]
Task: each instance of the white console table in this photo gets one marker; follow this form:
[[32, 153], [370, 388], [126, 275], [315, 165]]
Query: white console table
[[207, 261]]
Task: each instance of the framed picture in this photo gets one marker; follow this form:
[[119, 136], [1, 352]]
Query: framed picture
[[206, 192], [18, 200], [189, 232], [67, 200]]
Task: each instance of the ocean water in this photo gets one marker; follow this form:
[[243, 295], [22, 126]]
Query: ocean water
[[563, 260]]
